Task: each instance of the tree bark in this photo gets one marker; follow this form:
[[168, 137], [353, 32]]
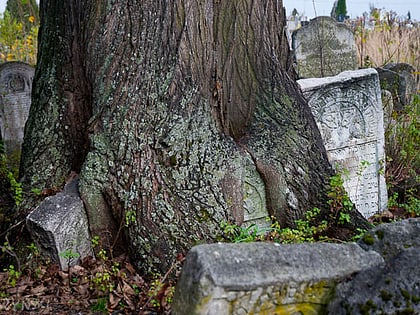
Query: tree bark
[[161, 106]]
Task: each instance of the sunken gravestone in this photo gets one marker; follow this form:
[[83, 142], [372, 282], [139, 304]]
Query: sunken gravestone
[[59, 227], [15, 101], [323, 48], [349, 115]]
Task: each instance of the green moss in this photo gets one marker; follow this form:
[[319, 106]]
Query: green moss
[[380, 234], [396, 303], [369, 239], [415, 299], [385, 295], [407, 311], [365, 309], [405, 294]]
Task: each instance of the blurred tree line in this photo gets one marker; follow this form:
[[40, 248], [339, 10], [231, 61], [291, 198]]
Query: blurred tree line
[[19, 31]]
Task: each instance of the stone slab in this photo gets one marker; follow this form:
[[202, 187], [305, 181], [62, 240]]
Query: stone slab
[[323, 48], [59, 226], [393, 288], [15, 101], [266, 278], [349, 114]]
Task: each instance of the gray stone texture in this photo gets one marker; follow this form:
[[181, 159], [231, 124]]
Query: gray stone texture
[[266, 278], [15, 101], [324, 47], [349, 114], [398, 78], [393, 288], [392, 238], [59, 227]]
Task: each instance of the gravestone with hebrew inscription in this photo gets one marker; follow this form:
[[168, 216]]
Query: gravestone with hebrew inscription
[[323, 48], [348, 111], [15, 101], [254, 199]]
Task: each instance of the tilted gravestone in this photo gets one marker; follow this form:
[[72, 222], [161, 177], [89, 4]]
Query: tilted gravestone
[[323, 48], [15, 101], [59, 227], [348, 111]]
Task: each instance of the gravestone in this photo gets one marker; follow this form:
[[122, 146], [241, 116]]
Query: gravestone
[[15, 101], [323, 48], [398, 78], [266, 278], [254, 199], [59, 227], [348, 111]]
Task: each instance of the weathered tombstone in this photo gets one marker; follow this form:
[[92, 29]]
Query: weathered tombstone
[[15, 101], [349, 115], [323, 48], [266, 278], [398, 78], [59, 227], [254, 199]]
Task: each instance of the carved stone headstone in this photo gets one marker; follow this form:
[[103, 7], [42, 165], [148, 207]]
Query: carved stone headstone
[[15, 101], [323, 48], [349, 115], [254, 202]]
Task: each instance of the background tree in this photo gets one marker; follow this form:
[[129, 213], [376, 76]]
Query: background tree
[[19, 31], [168, 111], [341, 10], [23, 10]]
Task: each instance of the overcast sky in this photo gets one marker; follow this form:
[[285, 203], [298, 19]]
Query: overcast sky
[[354, 7]]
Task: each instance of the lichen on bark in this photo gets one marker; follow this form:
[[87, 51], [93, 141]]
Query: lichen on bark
[[180, 97]]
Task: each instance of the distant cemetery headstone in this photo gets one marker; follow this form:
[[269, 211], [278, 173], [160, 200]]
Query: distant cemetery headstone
[[15, 101], [399, 79], [323, 48], [349, 115]]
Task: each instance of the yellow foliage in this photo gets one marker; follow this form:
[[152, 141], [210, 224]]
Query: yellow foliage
[[16, 44]]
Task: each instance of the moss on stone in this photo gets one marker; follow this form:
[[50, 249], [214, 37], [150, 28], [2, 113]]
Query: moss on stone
[[365, 309], [369, 239], [385, 295], [405, 294], [380, 234]]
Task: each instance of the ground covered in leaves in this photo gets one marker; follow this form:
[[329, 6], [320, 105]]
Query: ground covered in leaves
[[30, 284], [99, 285], [96, 286]]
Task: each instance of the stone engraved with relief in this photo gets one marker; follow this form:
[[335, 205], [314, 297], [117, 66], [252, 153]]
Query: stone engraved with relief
[[349, 115], [15, 101]]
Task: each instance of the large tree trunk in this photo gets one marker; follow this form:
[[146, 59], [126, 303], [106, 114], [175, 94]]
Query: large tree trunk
[[168, 109]]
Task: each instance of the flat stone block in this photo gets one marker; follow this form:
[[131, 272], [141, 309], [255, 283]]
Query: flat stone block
[[266, 278], [59, 227]]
